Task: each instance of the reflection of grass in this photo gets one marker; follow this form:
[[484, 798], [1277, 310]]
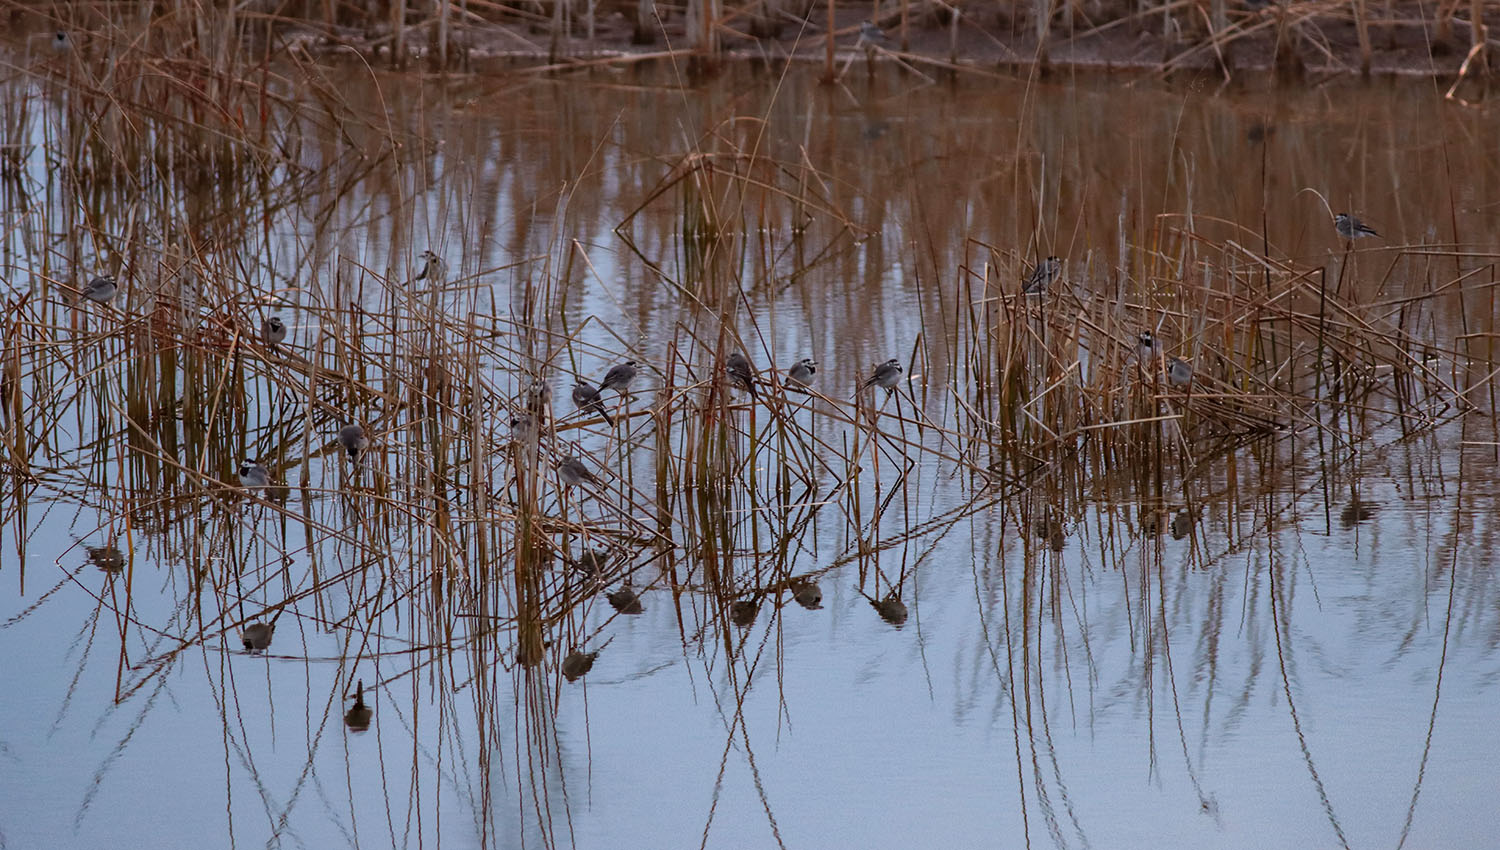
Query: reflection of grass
[[443, 555]]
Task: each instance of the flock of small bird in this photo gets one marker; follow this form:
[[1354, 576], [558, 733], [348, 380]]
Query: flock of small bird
[[588, 398]]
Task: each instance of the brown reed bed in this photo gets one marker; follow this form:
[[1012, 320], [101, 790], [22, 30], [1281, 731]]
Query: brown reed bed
[[453, 552], [200, 51]]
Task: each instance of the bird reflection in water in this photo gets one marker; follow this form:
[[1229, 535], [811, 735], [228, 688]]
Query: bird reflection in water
[[578, 663], [257, 636], [357, 718], [891, 609], [625, 600], [807, 594], [107, 557], [742, 613], [1357, 511]]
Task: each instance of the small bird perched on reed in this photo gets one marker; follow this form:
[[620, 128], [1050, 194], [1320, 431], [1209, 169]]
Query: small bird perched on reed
[[741, 373], [573, 472], [871, 35], [1179, 372], [433, 268], [352, 437], [1146, 348], [1042, 276], [586, 398], [272, 331], [619, 377], [253, 475], [800, 376], [101, 290], [1352, 228], [885, 376]]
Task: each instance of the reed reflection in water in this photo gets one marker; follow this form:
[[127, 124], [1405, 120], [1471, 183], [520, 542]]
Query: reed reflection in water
[[1038, 590]]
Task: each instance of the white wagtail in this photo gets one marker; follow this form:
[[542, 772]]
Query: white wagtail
[[800, 376], [1042, 277], [586, 398], [886, 376], [871, 35], [539, 400], [433, 268], [523, 427], [1179, 372], [578, 663], [619, 377], [354, 440], [1352, 228], [101, 289], [573, 472], [358, 717], [741, 373], [257, 636], [272, 331], [253, 475], [1146, 348]]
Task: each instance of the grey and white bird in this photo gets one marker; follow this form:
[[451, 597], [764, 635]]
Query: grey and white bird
[[1352, 228], [1042, 277], [619, 377], [101, 289], [433, 268], [741, 373], [800, 376], [354, 440], [573, 472], [253, 475], [358, 717], [586, 398], [272, 331], [539, 399], [61, 42], [523, 427], [1146, 348], [257, 636], [871, 35], [1179, 372], [886, 376]]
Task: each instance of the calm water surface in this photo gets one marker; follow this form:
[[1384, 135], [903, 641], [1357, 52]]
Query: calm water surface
[[1307, 658]]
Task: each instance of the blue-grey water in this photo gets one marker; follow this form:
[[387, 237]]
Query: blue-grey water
[[1308, 659]]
